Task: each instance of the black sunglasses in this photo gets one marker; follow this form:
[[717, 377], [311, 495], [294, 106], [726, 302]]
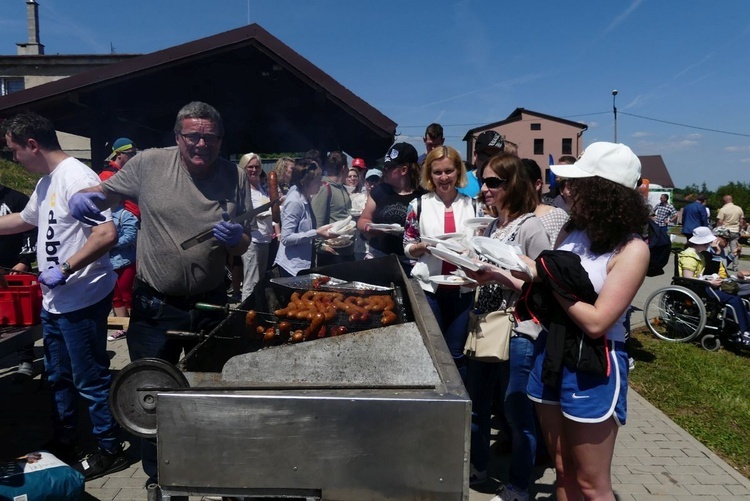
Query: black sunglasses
[[493, 182]]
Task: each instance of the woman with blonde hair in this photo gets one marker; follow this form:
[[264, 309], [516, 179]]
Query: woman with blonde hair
[[255, 259], [283, 170], [441, 210]]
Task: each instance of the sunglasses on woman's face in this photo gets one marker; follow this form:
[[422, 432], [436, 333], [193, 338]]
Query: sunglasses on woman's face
[[494, 183]]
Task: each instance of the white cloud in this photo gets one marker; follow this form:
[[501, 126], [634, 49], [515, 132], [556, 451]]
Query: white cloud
[[694, 135], [593, 125], [736, 149], [641, 134], [745, 161]]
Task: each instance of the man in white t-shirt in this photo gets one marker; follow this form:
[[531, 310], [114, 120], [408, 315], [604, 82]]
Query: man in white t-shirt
[[77, 282]]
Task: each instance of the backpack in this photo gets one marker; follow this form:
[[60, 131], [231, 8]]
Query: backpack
[[659, 246]]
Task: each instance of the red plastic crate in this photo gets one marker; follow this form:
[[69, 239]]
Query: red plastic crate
[[21, 301]]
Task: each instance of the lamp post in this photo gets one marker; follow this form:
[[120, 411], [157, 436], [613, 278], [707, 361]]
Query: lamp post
[[614, 110]]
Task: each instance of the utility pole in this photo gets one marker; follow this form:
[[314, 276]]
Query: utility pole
[[614, 110]]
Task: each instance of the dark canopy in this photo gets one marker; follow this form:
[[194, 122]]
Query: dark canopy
[[271, 98]]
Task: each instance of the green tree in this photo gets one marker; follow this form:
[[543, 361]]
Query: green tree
[[14, 176]]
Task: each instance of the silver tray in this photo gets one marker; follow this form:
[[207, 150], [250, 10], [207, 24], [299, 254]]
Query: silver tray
[[333, 285]]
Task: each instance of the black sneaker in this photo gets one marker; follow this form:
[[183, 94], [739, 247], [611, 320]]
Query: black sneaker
[[102, 463], [67, 453]]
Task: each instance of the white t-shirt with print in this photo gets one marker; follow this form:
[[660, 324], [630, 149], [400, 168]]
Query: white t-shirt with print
[[60, 236]]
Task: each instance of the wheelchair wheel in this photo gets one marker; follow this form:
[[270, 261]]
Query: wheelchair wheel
[[675, 314], [711, 342]]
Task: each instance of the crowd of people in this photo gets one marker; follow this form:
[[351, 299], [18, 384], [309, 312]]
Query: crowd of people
[[90, 264]]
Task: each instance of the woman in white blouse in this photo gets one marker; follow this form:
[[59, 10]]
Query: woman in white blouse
[[441, 210]]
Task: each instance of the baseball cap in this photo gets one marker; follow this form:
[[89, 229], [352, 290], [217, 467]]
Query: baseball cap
[[120, 145], [358, 162], [488, 142], [400, 154], [702, 235], [721, 231], [613, 161], [373, 173]]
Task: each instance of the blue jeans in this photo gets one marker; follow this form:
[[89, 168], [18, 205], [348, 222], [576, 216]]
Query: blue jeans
[[519, 411], [451, 310], [76, 362], [735, 302], [150, 318]]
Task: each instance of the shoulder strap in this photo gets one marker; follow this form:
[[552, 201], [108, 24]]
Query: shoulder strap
[[419, 206]]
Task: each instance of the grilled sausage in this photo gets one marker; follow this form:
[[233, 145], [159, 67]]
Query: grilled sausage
[[388, 318]]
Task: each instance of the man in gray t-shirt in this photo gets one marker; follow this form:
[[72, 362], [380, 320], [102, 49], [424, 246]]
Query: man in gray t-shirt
[[181, 191]]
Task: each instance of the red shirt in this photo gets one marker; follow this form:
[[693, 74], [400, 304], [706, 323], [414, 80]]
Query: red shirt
[[129, 205]]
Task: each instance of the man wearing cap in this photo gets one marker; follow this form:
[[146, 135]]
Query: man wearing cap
[[388, 202], [372, 177], [730, 217], [693, 216], [487, 144], [433, 136], [122, 150], [182, 190]]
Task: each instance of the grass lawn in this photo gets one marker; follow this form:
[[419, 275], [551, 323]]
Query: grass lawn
[[706, 393]]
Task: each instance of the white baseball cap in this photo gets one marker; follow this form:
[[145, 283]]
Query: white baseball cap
[[613, 161]]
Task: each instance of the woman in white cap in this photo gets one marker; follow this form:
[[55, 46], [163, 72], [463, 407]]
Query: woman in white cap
[[581, 414], [691, 263]]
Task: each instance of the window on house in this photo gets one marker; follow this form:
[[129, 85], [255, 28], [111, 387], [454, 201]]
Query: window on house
[[9, 85], [536, 126], [538, 146], [567, 146]]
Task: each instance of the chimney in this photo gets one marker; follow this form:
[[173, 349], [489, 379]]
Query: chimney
[[32, 47]]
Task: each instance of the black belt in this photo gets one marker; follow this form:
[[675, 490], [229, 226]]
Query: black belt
[[182, 302]]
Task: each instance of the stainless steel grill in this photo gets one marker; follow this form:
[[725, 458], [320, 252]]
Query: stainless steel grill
[[375, 414]]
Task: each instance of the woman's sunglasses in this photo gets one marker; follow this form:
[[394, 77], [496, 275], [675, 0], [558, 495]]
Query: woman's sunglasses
[[494, 183]]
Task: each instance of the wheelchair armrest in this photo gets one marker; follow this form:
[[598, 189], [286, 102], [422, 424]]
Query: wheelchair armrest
[[696, 285]]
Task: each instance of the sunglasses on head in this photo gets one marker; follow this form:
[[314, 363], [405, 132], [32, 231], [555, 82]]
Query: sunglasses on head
[[494, 182]]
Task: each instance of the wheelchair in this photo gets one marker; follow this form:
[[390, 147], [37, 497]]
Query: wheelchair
[[684, 312]]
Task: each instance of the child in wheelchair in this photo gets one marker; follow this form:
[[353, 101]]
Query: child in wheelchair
[[704, 257]]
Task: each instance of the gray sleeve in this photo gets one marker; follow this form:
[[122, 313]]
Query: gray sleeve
[[533, 238], [127, 181]]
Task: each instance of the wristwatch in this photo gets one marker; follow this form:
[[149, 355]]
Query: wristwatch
[[65, 269]]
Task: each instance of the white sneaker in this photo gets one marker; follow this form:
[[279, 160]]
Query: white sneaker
[[477, 477], [631, 363], [508, 493]]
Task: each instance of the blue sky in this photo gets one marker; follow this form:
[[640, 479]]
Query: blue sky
[[468, 63]]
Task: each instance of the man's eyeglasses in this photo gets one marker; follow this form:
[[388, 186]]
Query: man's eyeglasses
[[194, 138], [494, 183]]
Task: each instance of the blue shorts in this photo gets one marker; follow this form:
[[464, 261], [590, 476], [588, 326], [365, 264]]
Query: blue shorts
[[583, 396]]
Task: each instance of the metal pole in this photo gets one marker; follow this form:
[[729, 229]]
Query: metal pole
[[614, 110]]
